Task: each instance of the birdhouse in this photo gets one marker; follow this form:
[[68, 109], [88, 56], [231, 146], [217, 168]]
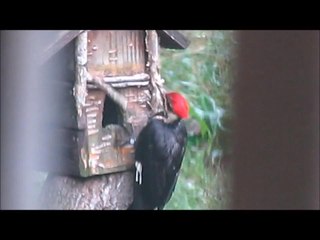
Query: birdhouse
[[104, 85]]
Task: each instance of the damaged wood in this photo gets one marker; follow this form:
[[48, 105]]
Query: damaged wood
[[138, 111], [80, 88], [111, 92], [141, 79], [106, 153], [158, 101], [114, 57], [116, 53]]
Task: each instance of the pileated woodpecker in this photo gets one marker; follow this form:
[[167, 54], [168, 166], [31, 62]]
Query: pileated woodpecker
[[159, 151]]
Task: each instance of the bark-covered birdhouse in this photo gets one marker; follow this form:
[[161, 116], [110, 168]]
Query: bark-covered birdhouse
[[105, 85]]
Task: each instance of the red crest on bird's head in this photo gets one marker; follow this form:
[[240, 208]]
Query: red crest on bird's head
[[179, 104]]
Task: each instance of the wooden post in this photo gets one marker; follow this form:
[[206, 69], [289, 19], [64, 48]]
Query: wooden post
[[277, 121]]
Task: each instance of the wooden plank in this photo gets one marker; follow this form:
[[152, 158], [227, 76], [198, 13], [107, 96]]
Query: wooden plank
[[157, 102], [141, 79], [113, 53], [80, 86], [173, 39], [93, 110], [138, 108], [106, 155]]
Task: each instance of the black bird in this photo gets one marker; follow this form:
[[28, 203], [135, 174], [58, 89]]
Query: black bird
[[159, 151]]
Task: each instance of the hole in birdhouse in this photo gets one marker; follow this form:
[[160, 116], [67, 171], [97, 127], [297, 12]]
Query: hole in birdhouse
[[111, 113]]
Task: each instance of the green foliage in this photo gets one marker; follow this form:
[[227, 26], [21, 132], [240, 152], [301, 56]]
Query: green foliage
[[203, 74]]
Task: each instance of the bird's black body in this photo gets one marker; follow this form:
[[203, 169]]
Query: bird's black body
[[160, 148]]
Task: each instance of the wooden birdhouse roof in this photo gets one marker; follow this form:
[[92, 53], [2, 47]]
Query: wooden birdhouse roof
[[54, 41]]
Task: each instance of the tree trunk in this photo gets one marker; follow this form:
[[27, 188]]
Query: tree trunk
[[105, 192]]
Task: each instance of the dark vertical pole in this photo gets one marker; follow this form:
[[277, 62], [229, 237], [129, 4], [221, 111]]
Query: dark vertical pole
[[277, 120]]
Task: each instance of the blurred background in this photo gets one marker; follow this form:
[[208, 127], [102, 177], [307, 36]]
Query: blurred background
[[204, 74]]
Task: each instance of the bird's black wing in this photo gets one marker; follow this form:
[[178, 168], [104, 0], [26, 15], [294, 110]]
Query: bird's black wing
[[178, 151], [160, 148]]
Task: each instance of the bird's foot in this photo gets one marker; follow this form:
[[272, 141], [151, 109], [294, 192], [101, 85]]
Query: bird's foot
[[138, 166]]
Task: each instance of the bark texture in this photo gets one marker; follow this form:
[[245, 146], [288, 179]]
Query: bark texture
[[105, 192]]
